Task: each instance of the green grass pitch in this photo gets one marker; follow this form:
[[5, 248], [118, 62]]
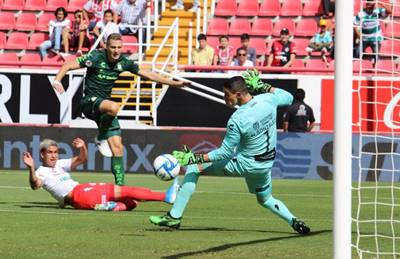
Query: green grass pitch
[[222, 221]]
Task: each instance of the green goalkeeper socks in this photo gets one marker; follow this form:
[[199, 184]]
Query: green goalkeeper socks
[[117, 168]]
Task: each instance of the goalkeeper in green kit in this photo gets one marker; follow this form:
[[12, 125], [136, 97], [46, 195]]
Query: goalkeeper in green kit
[[248, 149], [103, 68]]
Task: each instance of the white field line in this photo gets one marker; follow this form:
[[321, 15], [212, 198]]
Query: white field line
[[206, 192], [133, 214]]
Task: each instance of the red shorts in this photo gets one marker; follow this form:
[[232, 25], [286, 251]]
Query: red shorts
[[87, 195]]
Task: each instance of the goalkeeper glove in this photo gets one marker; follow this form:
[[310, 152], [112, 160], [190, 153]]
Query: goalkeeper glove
[[187, 157], [253, 82]]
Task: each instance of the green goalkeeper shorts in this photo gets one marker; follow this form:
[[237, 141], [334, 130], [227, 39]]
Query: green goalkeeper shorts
[[90, 107]]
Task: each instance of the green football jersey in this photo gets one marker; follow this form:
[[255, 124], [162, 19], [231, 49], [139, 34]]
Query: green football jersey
[[101, 73]]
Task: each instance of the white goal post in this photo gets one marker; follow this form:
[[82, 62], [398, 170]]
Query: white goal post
[[343, 129]]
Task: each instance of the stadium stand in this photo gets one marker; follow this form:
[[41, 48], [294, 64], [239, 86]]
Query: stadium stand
[[2, 40], [283, 23], [34, 5], [10, 5], [75, 5], [261, 27], [17, 41], [26, 22], [291, 8], [217, 26], [312, 8], [239, 26], [270, 8], [43, 21], [306, 28], [52, 5], [36, 39], [7, 21], [226, 8], [247, 8]]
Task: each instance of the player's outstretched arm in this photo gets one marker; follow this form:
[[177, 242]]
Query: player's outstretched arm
[[71, 65], [82, 157], [160, 79], [34, 181]]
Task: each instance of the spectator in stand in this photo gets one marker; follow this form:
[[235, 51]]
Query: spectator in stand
[[240, 61], [223, 54], [57, 28], [131, 12], [101, 25], [283, 51], [367, 27], [93, 11], [79, 36], [322, 41], [299, 117], [251, 52], [204, 54], [179, 6], [329, 7]]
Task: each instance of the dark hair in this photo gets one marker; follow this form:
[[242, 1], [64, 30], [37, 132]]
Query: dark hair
[[201, 36], [239, 49], [245, 36], [78, 11], [300, 94], [61, 9], [108, 11], [223, 37], [236, 84]]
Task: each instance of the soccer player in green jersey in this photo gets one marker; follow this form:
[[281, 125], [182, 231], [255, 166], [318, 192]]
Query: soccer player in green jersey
[[103, 68], [248, 150]]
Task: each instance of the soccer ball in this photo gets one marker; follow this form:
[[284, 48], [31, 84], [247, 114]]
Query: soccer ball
[[166, 167]]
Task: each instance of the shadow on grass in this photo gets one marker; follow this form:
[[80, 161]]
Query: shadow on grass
[[47, 205], [252, 242], [162, 229]]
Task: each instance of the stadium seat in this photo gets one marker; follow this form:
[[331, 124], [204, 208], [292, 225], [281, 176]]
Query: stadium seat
[[212, 41], [13, 5], [52, 60], [392, 30], [34, 5], [74, 5], [247, 8], [129, 48], [312, 8], [283, 23], [52, 5], [9, 57], [315, 64], [26, 22], [2, 40], [298, 63], [291, 8], [226, 8], [396, 10], [390, 48], [259, 44], [362, 64], [36, 39], [261, 27], [30, 60], [386, 66], [301, 45], [217, 26], [270, 8], [357, 7], [1, 4], [7, 21], [332, 64], [43, 22], [239, 26], [17, 40], [306, 28]]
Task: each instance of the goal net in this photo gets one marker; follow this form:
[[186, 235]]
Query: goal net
[[376, 134]]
